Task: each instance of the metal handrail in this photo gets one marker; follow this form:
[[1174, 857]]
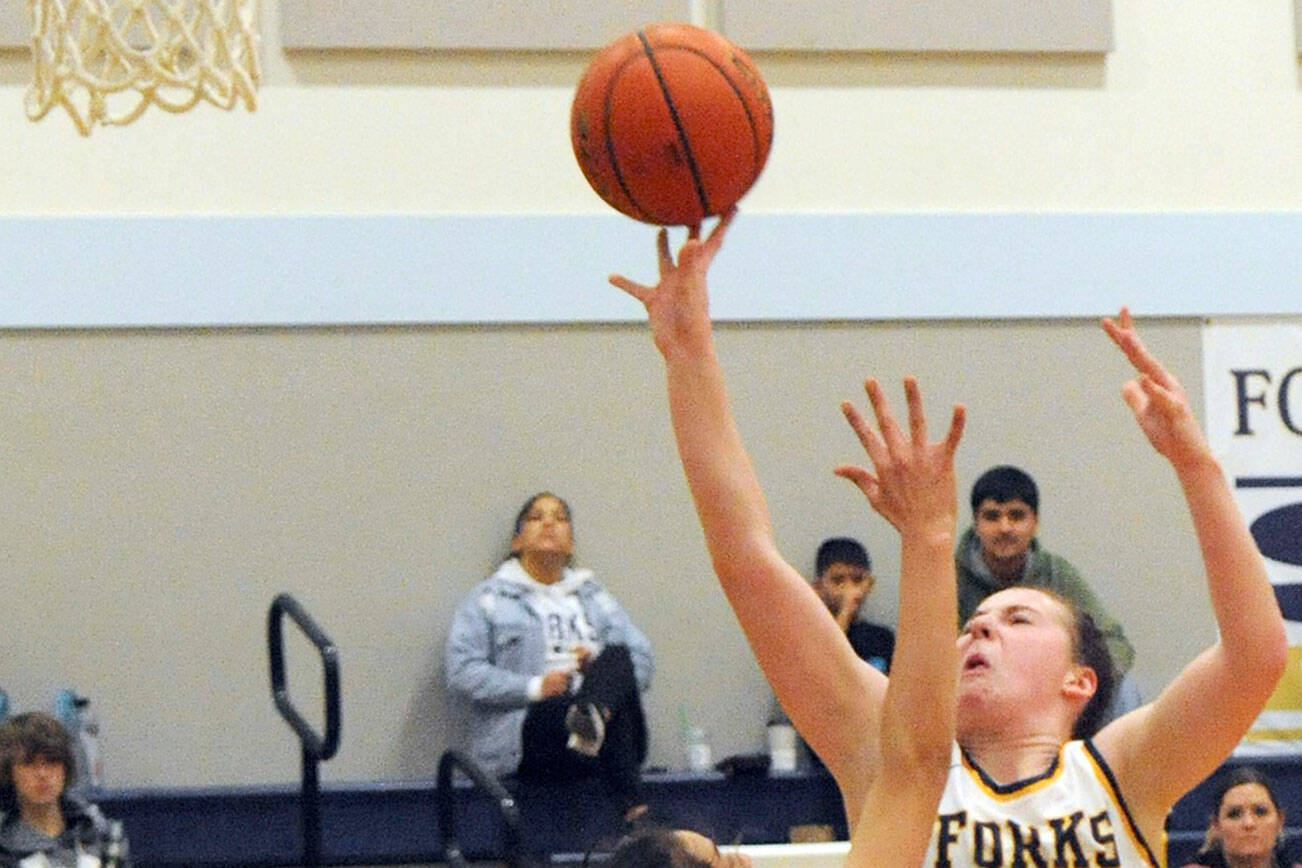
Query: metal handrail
[[446, 804], [316, 747]]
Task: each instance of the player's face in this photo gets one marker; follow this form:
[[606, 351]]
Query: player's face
[[1005, 529], [1016, 647], [1247, 822], [708, 852], [38, 781], [545, 529], [842, 584]]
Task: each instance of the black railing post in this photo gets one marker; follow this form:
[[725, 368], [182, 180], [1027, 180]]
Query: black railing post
[[316, 747], [310, 806], [446, 804]]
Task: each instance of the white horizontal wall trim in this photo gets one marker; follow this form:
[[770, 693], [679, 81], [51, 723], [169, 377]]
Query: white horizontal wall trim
[[319, 270]]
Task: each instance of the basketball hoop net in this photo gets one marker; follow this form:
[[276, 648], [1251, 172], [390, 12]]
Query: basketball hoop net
[[105, 61]]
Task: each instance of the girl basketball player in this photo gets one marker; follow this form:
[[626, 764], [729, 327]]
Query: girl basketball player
[[1013, 787]]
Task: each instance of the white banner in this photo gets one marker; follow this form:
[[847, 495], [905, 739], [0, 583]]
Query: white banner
[[1253, 383]]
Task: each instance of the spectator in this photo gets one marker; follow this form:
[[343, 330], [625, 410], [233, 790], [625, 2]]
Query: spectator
[[843, 579], [1246, 828], [1000, 550], [548, 666], [41, 825]]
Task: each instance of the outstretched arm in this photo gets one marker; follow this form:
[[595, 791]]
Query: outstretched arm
[[832, 697], [912, 486], [1161, 750]]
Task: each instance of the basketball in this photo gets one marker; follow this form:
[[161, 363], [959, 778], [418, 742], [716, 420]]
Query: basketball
[[671, 124]]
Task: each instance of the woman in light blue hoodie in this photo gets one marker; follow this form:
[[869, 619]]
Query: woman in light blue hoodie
[[548, 667]]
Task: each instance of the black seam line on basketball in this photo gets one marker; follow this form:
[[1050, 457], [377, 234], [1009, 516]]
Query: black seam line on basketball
[[610, 143], [741, 98], [678, 125]]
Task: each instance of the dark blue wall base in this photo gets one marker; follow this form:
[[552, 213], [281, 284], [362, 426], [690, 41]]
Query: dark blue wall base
[[392, 823], [389, 823]]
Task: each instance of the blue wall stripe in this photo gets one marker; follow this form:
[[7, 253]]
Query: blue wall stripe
[[323, 269]]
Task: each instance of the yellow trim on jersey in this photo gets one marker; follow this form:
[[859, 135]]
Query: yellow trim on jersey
[[1136, 838], [1038, 784]]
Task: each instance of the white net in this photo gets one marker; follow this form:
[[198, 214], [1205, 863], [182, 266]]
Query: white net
[[106, 61]]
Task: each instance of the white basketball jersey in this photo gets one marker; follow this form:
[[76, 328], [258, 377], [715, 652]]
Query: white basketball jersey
[[1072, 816]]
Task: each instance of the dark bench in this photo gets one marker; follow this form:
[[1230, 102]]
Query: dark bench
[[389, 823]]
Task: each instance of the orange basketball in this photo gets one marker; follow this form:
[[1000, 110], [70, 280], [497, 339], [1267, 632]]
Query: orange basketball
[[671, 124]]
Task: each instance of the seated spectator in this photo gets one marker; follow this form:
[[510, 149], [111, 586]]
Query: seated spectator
[[1246, 828], [548, 666], [843, 579], [1000, 550], [41, 825]]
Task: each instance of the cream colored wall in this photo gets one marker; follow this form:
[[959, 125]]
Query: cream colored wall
[[162, 486], [1197, 108]]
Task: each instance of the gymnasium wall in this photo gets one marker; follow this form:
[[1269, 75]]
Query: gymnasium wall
[[161, 485]]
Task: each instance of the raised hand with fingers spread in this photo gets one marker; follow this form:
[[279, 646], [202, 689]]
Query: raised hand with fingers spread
[[678, 306], [913, 484]]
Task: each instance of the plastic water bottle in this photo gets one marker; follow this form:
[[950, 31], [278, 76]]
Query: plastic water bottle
[[65, 709], [699, 756], [88, 734], [114, 854]]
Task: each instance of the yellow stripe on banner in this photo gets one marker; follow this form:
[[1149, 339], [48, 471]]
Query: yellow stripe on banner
[[1274, 735], [1288, 693]]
